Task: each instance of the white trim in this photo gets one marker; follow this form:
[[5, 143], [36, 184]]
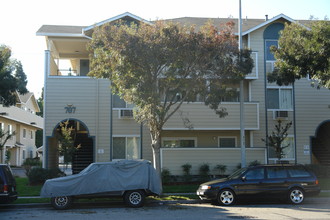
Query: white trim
[[219, 137], [272, 20], [115, 18], [59, 34]]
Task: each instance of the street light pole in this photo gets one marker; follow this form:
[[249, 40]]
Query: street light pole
[[241, 90]]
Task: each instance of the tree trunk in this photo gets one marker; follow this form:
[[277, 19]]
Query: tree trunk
[[155, 145]]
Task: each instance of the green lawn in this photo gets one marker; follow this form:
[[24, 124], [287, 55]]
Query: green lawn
[[24, 189]]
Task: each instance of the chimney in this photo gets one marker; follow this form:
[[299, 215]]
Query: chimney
[[266, 17]]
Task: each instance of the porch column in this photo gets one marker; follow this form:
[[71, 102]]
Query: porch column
[[44, 141]]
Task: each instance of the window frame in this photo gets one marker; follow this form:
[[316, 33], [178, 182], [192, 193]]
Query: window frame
[[234, 137], [279, 98], [127, 136], [293, 150]]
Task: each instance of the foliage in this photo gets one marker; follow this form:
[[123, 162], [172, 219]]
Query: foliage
[[186, 168], [254, 163], [39, 175], [166, 175], [66, 139], [204, 171], [29, 163], [303, 51], [186, 172], [221, 168], [158, 67], [277, 138], [12, 77]]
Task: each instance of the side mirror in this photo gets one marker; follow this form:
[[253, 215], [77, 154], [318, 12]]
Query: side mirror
[[243, 178]]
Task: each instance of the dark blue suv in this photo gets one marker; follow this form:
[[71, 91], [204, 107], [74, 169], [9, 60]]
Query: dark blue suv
[[7, 185], [291, 182]]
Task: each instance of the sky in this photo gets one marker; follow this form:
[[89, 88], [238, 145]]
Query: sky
[[20, 19]]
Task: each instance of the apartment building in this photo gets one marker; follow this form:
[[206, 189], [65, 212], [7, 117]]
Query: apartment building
[[107, 131], [22, 121]]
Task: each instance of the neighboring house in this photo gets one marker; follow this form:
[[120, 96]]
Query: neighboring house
[[22, 120], [106, 130]]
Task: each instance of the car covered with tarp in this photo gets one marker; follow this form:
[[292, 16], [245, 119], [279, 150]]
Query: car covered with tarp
[[132, 180]]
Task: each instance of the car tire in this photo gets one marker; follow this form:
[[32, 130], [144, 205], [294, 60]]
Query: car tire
[[226, 197], [296, 196], [61, 202], [134, 198]]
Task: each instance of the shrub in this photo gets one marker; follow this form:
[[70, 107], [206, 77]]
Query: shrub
[[221, 168], [204, 171], [254, 163], [29, 163], [166, 175], [39, 175], [186, 172]]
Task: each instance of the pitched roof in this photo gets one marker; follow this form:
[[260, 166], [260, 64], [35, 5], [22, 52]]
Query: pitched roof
[[248, 25]]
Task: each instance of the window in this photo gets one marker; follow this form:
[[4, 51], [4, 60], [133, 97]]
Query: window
[[276, 172], [179, 142], [31, 134], [269, 54], [2, 127], [10, 129], [288, 151], [24, 133], [120, 103], [84, 67], [298, 172], [227, 142], [279, 98], [255, 174], [126, 148]]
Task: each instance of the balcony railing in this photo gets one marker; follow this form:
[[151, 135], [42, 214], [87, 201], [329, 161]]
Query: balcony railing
[[201, 117], [67, 72]]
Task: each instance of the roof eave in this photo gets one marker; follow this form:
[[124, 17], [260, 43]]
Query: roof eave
[[116, 18], [270, 21]]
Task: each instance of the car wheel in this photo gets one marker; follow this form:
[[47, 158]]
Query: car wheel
[[226, 197], [134, 198], [296, 196], [61, 202]]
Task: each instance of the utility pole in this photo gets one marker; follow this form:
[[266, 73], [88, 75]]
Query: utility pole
[[241, 91]]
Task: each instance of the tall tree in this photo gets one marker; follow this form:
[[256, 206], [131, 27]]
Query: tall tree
[[12, 77], [158, 67], [303, 51]]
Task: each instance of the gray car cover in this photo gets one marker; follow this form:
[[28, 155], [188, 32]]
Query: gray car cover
[[106, 177]]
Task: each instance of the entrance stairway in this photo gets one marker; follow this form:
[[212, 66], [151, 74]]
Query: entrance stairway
[[84, 155]]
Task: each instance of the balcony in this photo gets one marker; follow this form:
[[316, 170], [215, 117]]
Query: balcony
[[201, 117]]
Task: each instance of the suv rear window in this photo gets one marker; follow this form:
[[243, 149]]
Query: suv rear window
[[298, 172], [8, 175]]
